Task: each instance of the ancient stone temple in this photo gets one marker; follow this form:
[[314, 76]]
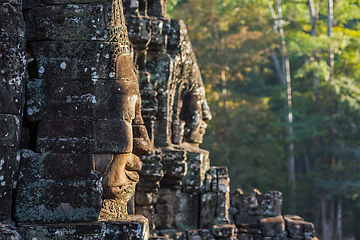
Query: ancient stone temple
[[102, 110]]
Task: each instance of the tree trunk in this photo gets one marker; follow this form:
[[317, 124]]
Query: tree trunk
[[313, 17], [338, 220], [318, 213], [332, 220], [306, 162], [223, 83], [289, 115], [325, 224], [285, 79], [330, 30]]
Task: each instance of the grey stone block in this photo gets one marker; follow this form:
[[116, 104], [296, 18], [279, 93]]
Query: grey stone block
[[200, 234], [8, 165], [50, 201], [247, 221], [134, 227], [65, 231], [207, 209], [68, 22], [244, 236], [298, 228], [257, 204], [10, 130], [58, 167], [188, 217], [85, 136], [272, 226], [198, 164]]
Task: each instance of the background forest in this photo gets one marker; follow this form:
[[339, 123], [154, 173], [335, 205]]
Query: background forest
[[283, 84]]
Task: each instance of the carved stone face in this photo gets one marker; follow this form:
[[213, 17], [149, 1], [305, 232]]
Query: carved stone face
[[195, 112], [120, 170]]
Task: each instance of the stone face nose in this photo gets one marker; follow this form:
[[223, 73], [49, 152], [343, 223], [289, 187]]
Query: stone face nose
[[141, 141]]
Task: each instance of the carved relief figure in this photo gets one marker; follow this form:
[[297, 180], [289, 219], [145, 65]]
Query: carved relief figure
[[120, 172], [195, 111], [86, 102]]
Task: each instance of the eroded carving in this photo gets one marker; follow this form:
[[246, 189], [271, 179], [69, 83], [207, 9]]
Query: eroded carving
[[86, 101]]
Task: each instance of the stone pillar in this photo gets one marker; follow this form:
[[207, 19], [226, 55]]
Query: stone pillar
[[12, 73]]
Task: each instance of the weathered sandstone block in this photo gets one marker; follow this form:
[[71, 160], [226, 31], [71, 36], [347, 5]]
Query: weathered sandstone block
[[272, 226], [10, 130], [50, 201], [298, 228], [62, 231]]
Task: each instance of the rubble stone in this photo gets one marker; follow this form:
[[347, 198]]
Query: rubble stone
[[222, 231], [256, 204], [272, 226], [7, 231], [134, 227], [200, 234], [298, 228], [247, 221], [244, 236]]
